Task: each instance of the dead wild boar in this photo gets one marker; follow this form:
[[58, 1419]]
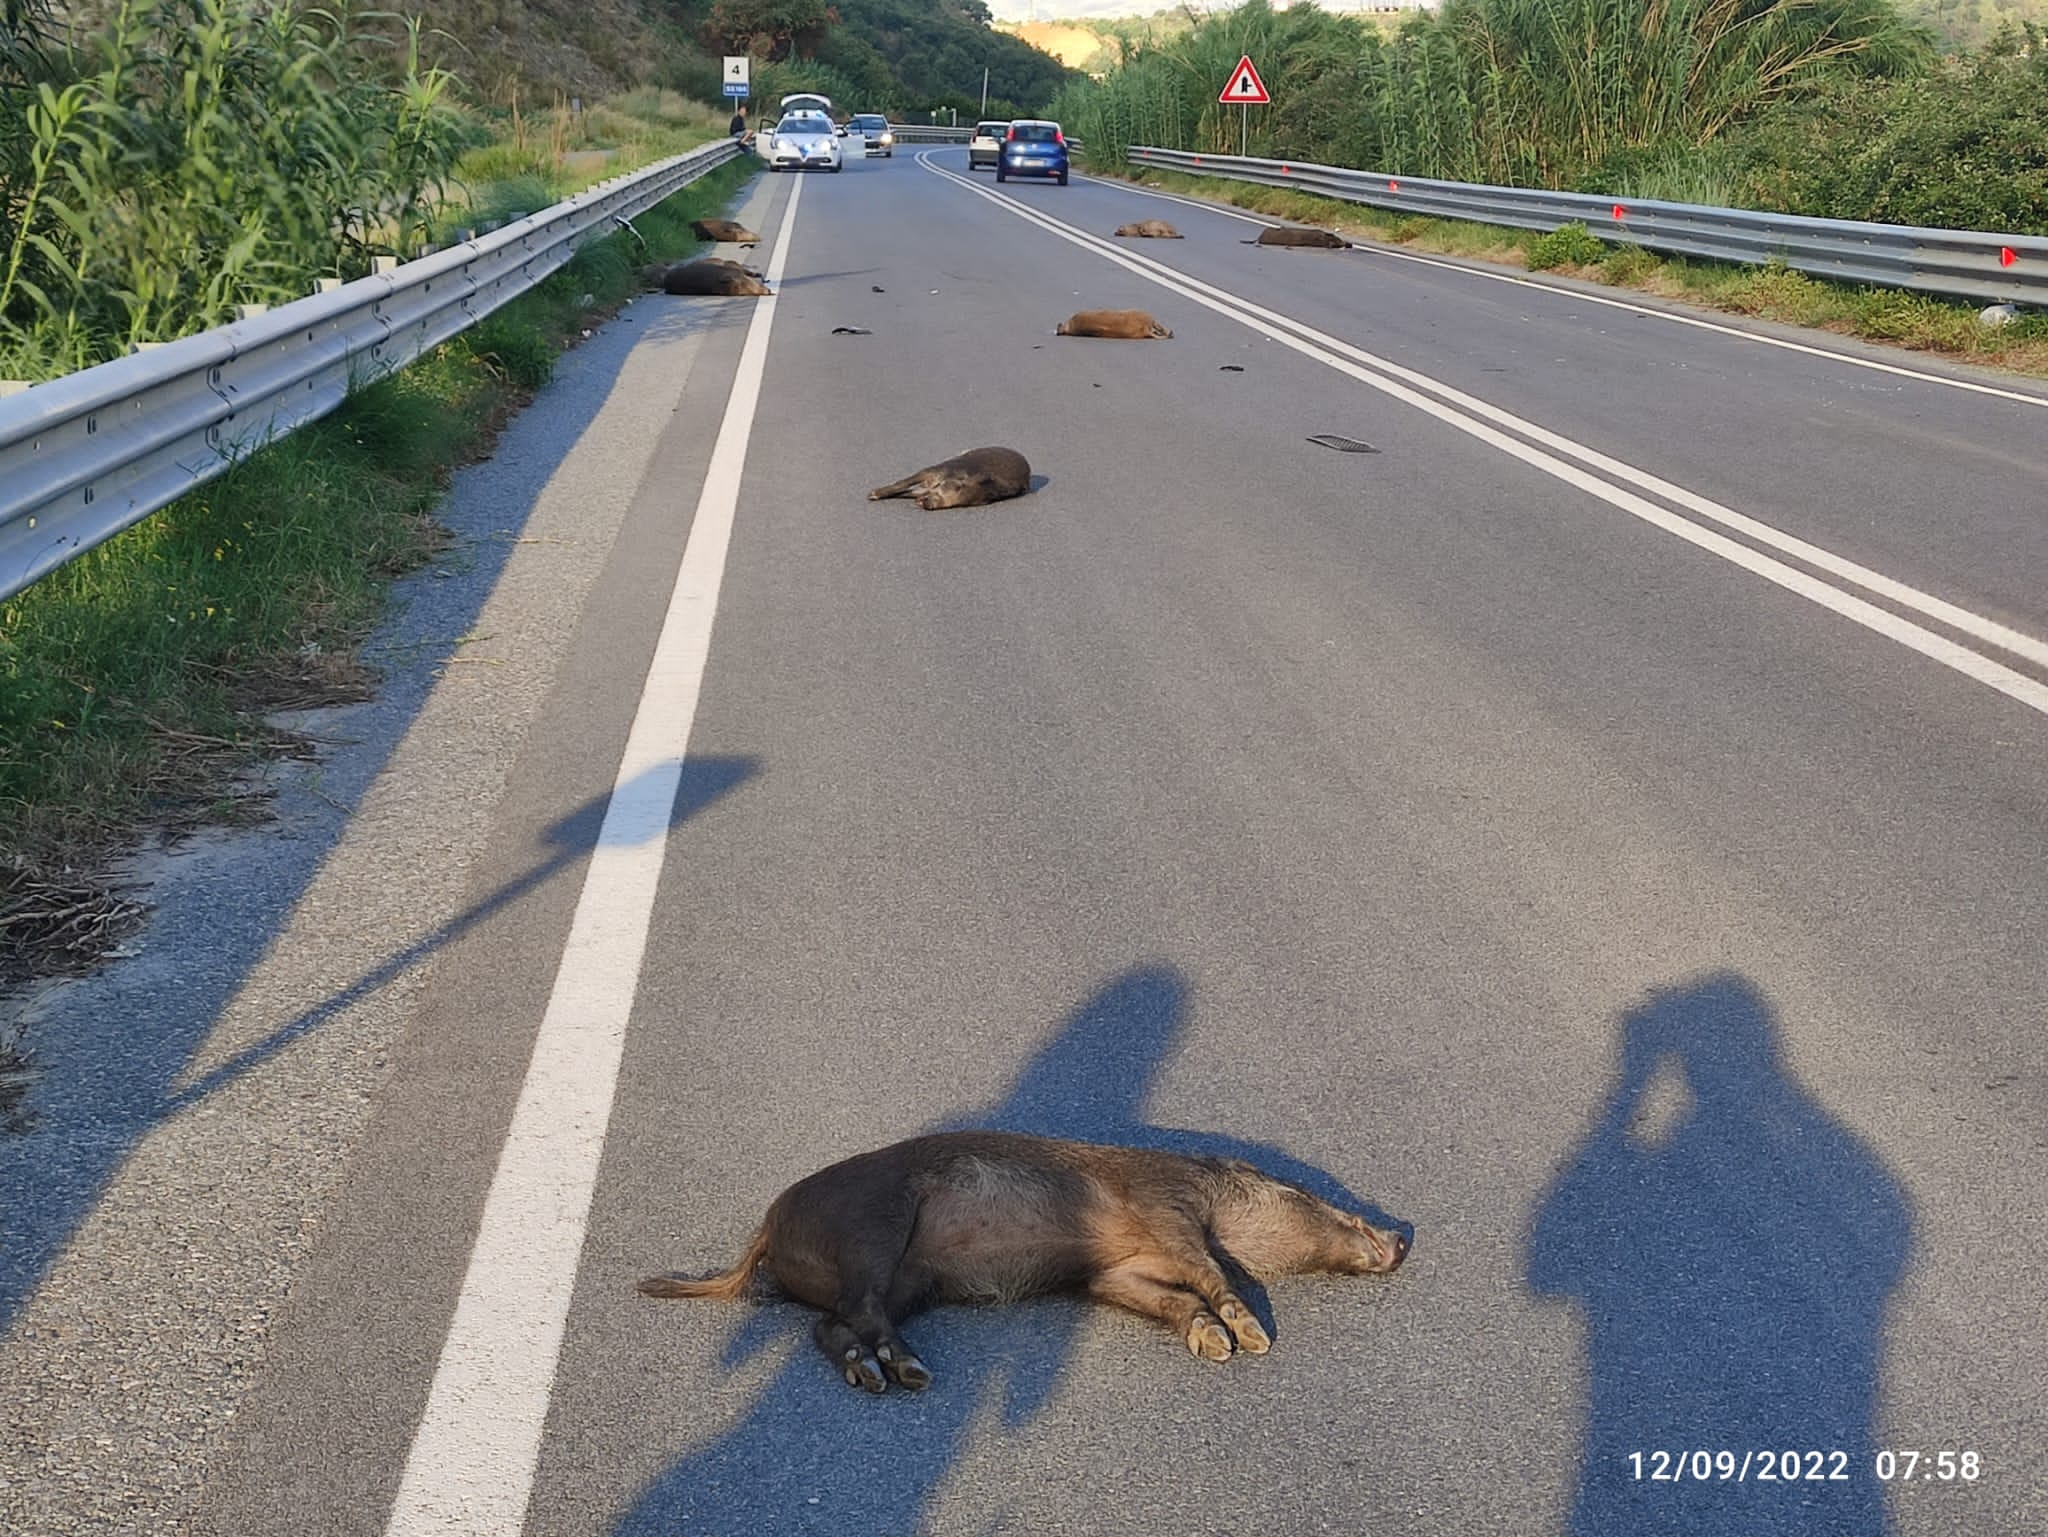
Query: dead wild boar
[[1294, 235], [724, 230], [972, 479], [1120, 325], [713, 275], [987, 1216], [1149, 229]]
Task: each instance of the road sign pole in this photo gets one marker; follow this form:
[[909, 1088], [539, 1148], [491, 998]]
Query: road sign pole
[[1244, 128]]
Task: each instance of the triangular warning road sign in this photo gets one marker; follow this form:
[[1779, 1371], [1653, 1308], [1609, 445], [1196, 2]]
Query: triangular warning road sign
[[1245, 86]]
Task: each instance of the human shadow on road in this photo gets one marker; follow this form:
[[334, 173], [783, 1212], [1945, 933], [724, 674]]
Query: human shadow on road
[[49, 1186], [850, 1465], [1732, 1249]]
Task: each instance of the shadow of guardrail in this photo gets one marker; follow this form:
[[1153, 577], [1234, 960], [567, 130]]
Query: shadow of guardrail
[[112, 1055]]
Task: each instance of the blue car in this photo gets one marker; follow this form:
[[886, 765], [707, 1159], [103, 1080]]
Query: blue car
[[1033, 147]]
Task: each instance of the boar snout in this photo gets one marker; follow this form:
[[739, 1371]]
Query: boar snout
[[1380, 1250]]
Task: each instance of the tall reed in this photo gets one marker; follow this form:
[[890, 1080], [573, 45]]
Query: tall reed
[[1542, 92], [205, 154]]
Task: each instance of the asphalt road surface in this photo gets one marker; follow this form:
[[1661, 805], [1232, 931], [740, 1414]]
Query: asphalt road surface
[[1602, 828]]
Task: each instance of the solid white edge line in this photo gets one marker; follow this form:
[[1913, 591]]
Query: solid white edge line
[[1721, 328], [1330, 352], [471, 1467]]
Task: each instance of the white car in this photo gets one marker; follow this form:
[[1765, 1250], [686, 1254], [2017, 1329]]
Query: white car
[[803, 140], [874, 128], [986, 147]]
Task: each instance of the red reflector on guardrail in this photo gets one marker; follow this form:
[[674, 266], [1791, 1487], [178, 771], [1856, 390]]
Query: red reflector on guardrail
[[1393, 185], [1286, 170], [1620, 212], [2007, 256]]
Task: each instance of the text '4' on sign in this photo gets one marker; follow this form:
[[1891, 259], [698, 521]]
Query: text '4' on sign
[[1245, 86]]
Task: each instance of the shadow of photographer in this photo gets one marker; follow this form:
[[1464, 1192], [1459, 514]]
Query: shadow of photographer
[[1731, 1248]]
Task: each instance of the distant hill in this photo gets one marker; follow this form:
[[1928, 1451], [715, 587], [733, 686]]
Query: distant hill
[[1965, 24], [1075, 47], [1072, 46], [534, 48], [916, 54], [877, 54]]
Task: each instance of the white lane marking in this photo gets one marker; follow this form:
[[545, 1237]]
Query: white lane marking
[[1986, 630], [1720, 328], [1990, 631], [470, 1471], [1394, 380]]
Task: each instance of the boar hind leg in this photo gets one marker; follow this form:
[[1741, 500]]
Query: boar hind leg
[[858, 1334], [870, 1354], [907, 485]]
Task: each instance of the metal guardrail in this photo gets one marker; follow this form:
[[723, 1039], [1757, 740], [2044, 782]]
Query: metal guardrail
[[912, 133], [88, 455], [1967, 264]]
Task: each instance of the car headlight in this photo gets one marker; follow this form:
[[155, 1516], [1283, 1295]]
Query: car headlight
[[888, 138]]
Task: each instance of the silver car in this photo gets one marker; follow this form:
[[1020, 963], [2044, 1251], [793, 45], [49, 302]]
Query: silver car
[[803, 140], [874, 128]]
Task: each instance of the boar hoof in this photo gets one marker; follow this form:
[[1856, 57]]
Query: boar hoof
[[863, 1370], [1209, 1339], [909, 1372], [1250, 1333]]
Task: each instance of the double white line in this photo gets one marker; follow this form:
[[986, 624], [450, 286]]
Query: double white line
[[1627, 487]]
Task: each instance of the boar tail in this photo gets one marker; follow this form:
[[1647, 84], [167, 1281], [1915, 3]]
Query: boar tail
[[725, 1286]]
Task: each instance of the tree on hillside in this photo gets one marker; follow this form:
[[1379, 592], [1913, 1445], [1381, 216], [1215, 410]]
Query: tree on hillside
[[939, 48], [769, 29]]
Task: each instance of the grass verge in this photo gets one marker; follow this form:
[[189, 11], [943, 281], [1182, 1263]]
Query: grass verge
[[1916, 322], [135, 681], [534, 161]]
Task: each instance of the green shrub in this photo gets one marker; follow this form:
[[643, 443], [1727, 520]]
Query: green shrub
[[524, 356], [1628, 264], [204, 154], [1779, 293], [503, 162], [1569, 245], [697, 76], [495, 202]]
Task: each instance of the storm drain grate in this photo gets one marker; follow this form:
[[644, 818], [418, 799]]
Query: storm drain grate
[[1342, 445]]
